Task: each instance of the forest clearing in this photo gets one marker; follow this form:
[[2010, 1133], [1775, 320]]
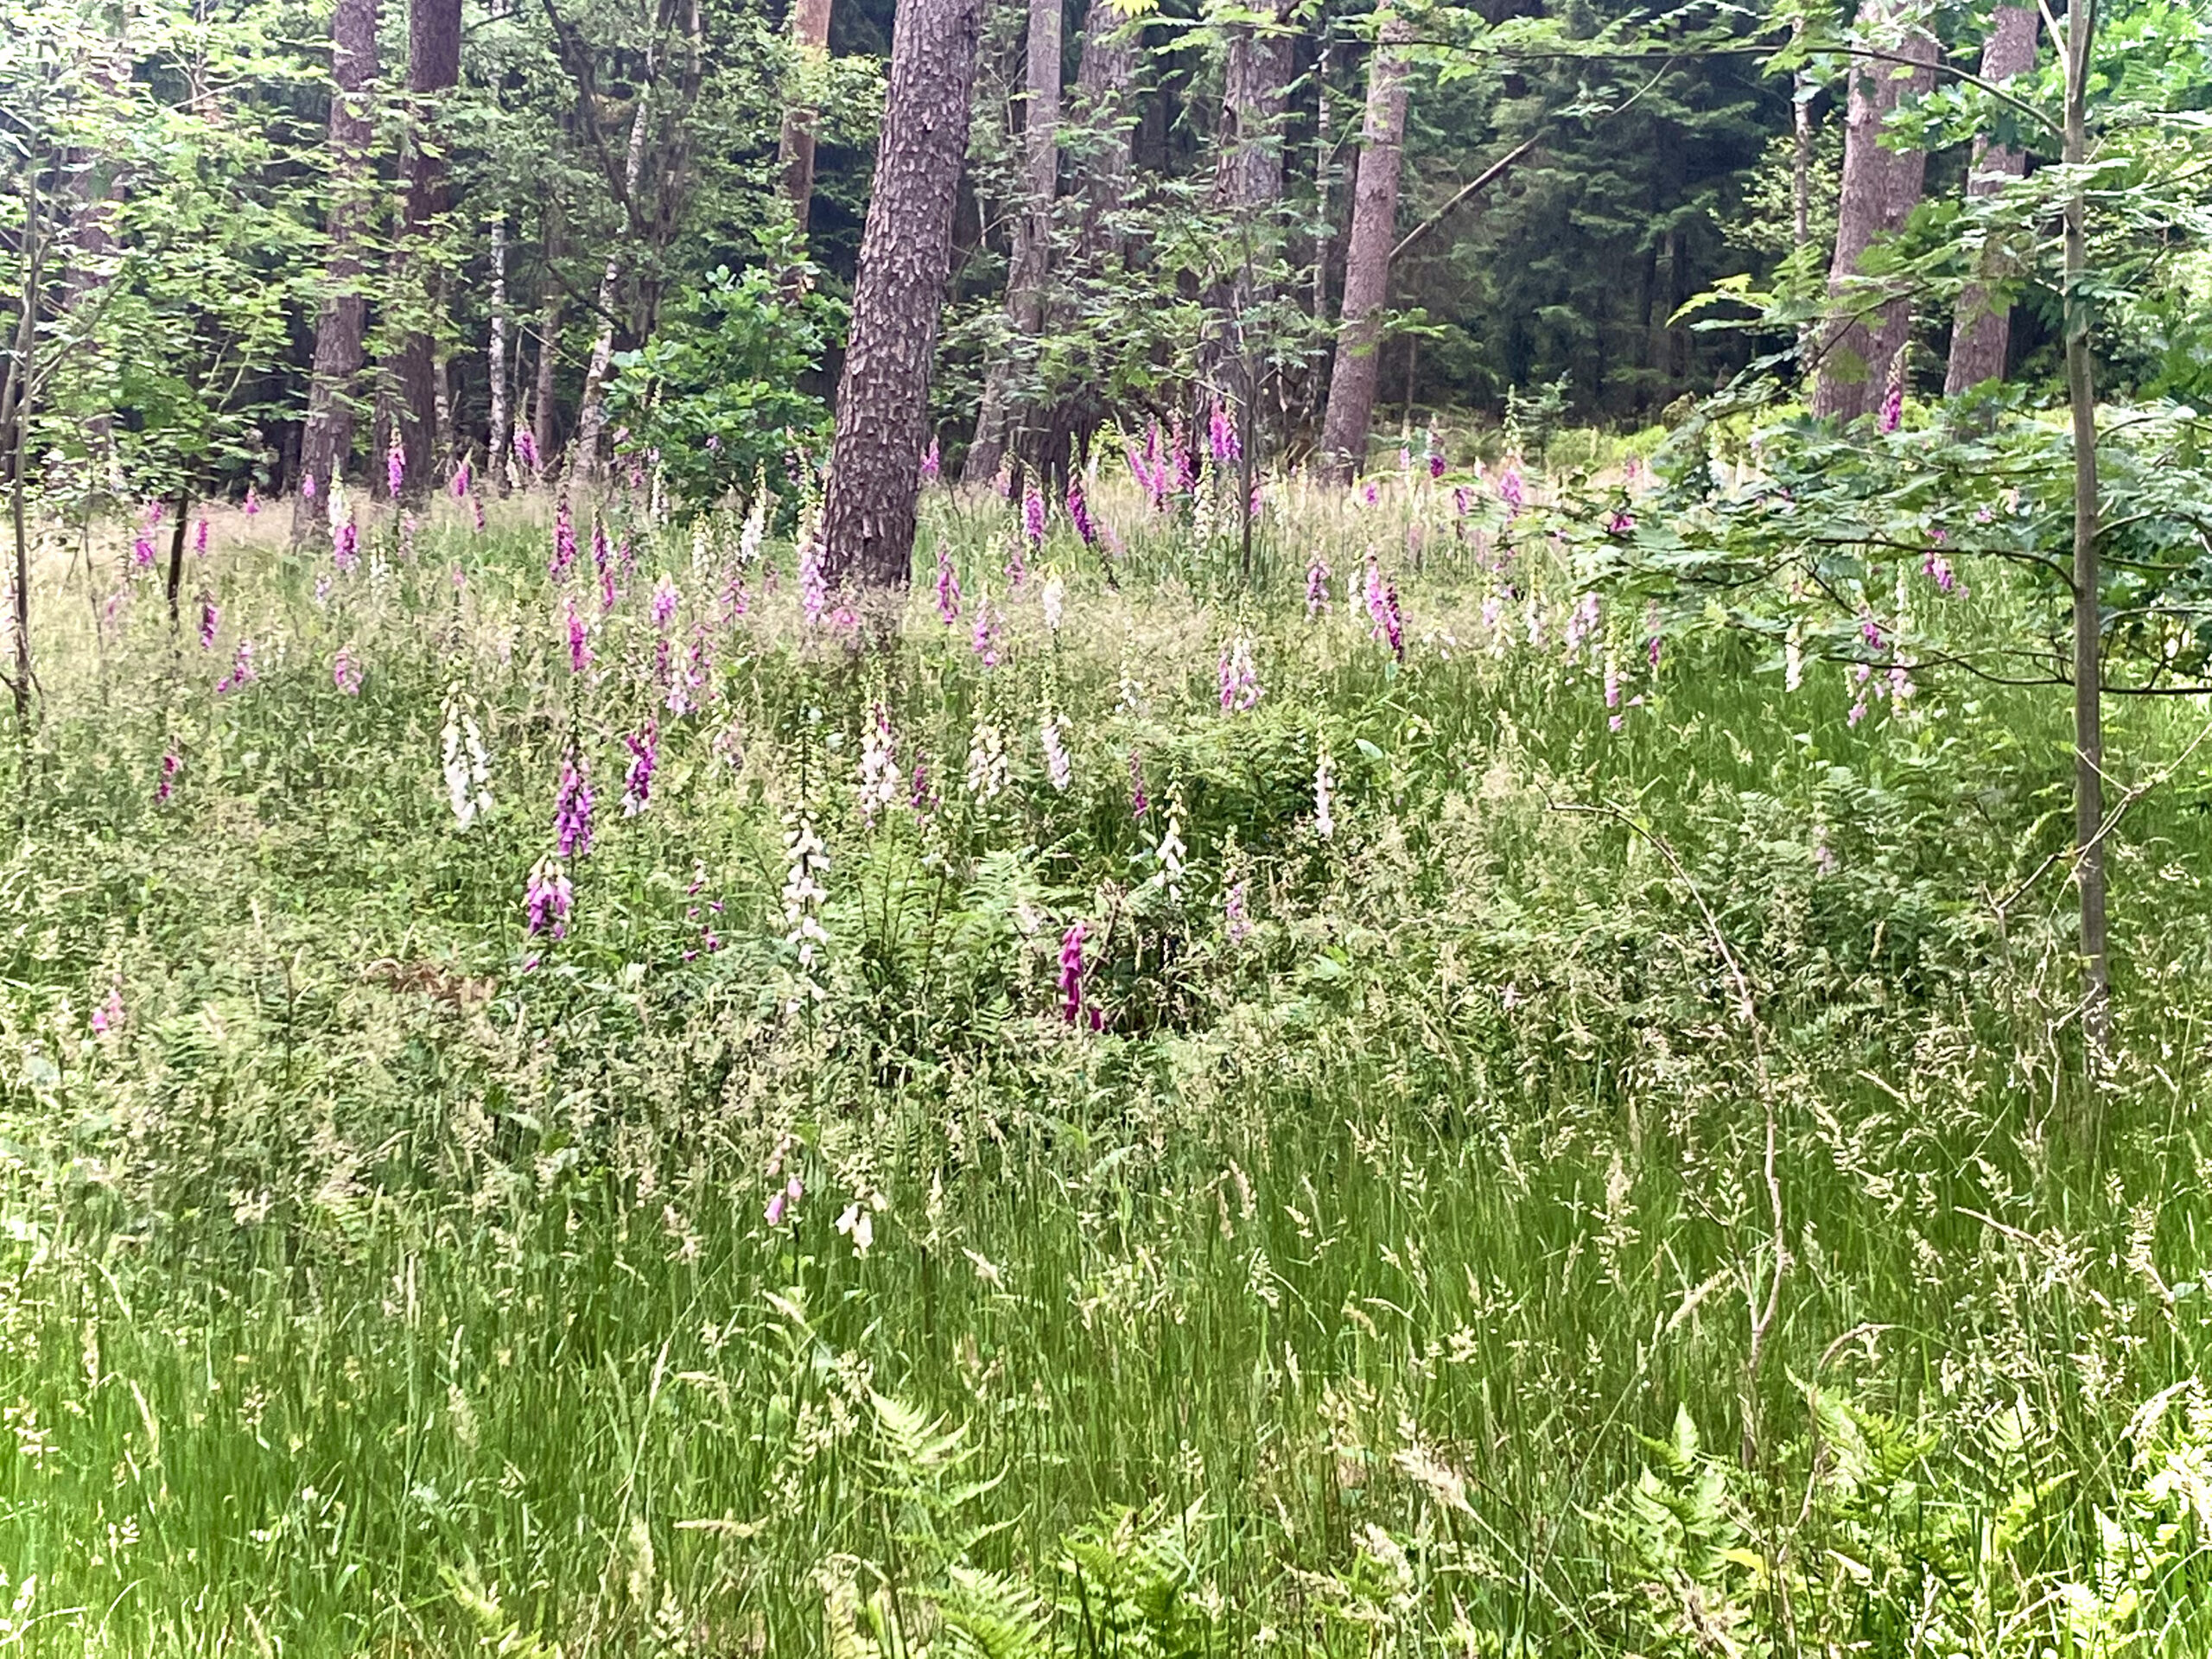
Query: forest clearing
[[1031, 831]]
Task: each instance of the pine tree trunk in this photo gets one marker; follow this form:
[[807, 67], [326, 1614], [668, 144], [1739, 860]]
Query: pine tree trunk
[[495, 437], [433, 67], [795, 150], [1254, 94], [1033, 239], [1981, 335], [1367, 258], [340, 352], [867, 526], [591, 413], [1103, 76], [1858, 362]]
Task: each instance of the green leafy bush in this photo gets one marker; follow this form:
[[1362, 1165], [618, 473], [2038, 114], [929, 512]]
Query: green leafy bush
[[719, 393]]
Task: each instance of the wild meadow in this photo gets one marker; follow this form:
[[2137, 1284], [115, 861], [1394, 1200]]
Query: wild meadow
[[564, 1095]]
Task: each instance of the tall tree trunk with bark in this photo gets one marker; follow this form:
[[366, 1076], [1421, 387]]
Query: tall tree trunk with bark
[[326, 440], [1981, 335], [1860, 362], [867, 522], [433, 67], [1367, 257], [1033, 238], [1103, 76], [795, 149]]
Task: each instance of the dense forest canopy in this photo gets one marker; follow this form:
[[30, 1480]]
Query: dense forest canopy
[[527, 229]]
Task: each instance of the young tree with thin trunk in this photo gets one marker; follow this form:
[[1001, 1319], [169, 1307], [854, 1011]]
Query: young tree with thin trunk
[[341, 324], [1981, 335], [1367, 256], [1859, 361], [2076, 45], [542, 412], [1033, 238], [795, 148], [1325, 168], [665, 94], [1097, 140], [591, 413], [433, 69], [868, 524], [1257, 71]]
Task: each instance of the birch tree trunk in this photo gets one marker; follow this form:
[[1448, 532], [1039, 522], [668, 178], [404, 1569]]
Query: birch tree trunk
[[795, 149], [1981, 335], [867, 526], [433, 67], [1859, 360], [1033, 239], [1367, 258], [340, 329], [495, 438]]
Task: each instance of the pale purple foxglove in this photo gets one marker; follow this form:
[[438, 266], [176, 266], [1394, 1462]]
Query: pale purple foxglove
[[638, 782], [579, 654], [572, 806], [1058, 768], [1071, 979], [242, 670], [948, 586], [547, 898], [564, 537], [1222, 441]]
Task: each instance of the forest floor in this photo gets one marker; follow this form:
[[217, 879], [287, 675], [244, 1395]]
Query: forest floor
[[1145, 1118]]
